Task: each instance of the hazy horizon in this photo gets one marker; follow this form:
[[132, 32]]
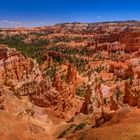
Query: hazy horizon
[[69, 23]]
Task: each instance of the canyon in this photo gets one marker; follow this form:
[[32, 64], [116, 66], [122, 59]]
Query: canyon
[[73, 81]]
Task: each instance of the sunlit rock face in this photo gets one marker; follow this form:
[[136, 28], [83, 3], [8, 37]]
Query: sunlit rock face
[[23, 76], [16, 69], [66, 101], [99, 96]]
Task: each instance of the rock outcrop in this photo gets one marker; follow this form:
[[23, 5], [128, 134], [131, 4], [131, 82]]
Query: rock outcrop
[[131, 95], [16, 69], [99, 96], [93, 98], [23, 76]]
